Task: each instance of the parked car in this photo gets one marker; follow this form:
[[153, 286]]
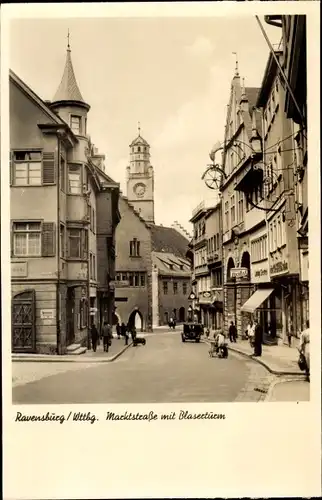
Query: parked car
[[192, 331]]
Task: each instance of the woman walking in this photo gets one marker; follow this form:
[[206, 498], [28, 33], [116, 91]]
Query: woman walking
[[94, 335]]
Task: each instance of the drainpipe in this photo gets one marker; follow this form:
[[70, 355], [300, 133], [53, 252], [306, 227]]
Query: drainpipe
[[58, 297]]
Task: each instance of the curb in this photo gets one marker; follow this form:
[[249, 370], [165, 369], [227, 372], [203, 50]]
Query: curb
[[275, 383], [265, 365], [71, 359]]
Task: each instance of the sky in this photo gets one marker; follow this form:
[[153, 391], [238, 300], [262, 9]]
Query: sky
[[172, 75]]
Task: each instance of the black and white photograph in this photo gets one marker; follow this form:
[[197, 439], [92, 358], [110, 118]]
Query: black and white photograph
[[158, 237]]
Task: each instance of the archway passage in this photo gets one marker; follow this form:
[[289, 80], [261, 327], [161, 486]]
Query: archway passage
[[136, 319], [182, 315], [230, 265], [116, 319]]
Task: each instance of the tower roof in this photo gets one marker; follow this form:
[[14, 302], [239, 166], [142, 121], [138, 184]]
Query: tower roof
[[139, 139], [68, 89]]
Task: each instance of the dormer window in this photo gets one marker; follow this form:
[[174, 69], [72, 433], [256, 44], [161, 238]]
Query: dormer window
[[75, 124]]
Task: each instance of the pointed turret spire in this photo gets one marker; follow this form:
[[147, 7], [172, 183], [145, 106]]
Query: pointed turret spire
[[68, 89], [243, 96], [236, 68]]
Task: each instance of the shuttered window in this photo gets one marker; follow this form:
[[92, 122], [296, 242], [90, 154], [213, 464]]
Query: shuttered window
[[77, 243], [33, 239], [32, 168]]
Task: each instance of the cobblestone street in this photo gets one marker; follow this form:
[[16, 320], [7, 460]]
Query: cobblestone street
[[165, 370]]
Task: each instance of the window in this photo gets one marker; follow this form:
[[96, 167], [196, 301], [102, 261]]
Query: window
[[74, 179], [130, 278], [184, 288], [175, 287], [136, 279], [227, 215], [232, 210], [27, 168], [26, 239], [165, 288], [134, 248], [142, 279], [75, 124], [240, 206], [77, 243], [90, 266], [62, 241], [62, 174]]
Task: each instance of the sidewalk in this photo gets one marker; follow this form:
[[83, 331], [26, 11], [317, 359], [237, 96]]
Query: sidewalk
[[278, 359], [115, 350], [289, 390]]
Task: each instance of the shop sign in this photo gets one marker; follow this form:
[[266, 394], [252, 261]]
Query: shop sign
[[260, 272], [120, 283], [47, 314], [19, 269], [279, 267], [205, 297], [239, 272]]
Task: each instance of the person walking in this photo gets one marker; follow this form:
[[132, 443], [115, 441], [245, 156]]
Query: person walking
[[118, 331], [106, 334], [124, 333], [304, 348], [94, 335], [232, 332], [258, 339], [290, 334], [250, 333], [133, 333]]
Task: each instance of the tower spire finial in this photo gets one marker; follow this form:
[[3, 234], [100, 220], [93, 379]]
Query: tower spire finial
[[139, 127], [236, 68], [68, 35]]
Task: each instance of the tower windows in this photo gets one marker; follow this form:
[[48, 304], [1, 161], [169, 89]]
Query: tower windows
[[75, 124], [134, 248]]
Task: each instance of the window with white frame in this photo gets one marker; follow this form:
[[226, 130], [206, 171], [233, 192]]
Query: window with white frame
[[74, 179], [232, 210], [62, 240], [75, 124], [27, 168], [259, 249], [134, 248], [26, 239], [227, 215]]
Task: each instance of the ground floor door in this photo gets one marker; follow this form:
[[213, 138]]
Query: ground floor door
[[70, 316], [182, 315], [23, 320]]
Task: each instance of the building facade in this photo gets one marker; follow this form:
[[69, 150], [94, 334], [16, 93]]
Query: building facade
[[53, 209], [207, 264]]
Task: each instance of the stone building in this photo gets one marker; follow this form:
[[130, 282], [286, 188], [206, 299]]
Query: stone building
[[55, 194], [207, 264], [151, 263]]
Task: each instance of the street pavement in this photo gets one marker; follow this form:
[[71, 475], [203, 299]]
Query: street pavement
[[165, 370], [292, 390]]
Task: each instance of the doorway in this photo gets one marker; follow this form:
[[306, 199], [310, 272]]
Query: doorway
[[182, 315], [70, 316], [23, 322], [136, 319]]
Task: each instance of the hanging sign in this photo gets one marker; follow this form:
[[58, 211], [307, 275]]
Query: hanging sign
[[239, 272]]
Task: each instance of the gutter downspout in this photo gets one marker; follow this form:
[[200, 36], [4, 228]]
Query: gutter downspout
[[58, 294]]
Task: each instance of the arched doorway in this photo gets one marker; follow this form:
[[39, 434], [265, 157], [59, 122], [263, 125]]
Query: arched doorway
[[23, 319], [230, 265], [136, 319], [245, 262], [166, 318], [182, 315]]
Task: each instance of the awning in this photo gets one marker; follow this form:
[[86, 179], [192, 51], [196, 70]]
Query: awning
[[256, 300]]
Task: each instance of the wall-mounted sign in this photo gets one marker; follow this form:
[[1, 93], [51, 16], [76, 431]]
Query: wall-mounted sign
[[279, 268], [192, 296], [47, 313], [119, 283], [239, 272], [19, 269], [206, 295]]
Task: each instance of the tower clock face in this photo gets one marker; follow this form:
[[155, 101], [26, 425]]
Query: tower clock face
[[139, 190]]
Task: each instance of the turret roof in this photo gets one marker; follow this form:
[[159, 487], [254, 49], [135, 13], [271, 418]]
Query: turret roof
[[139, 140], [68, 89]]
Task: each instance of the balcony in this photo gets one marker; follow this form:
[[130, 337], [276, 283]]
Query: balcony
[[203, 269]]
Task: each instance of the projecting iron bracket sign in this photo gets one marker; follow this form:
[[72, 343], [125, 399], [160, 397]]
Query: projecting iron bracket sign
[[239, 272]]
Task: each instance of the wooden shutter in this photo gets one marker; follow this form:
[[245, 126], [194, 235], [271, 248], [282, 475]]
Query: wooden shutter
[[48, 239], [48, 168], [10, 168]]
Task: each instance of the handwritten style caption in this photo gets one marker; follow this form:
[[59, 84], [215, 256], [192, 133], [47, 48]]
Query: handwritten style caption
[[112, 416]]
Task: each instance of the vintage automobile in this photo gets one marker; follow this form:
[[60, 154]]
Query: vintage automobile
[[192, 331]]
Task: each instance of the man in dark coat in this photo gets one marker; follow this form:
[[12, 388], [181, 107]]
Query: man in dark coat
[[107, 336], [258, 339], [124, 333], [232, 332], [94, 335]]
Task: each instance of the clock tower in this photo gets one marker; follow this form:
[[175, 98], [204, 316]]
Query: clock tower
[[140, 179]]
